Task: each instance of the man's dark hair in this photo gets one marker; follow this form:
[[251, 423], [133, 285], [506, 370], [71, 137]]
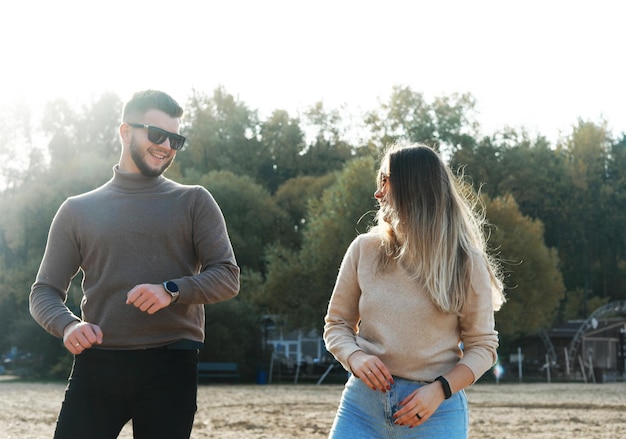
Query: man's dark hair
[[147, 100]]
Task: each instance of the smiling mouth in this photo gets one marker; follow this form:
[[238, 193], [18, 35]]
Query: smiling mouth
[[158, 155]]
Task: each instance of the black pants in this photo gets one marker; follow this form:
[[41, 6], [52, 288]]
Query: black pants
[[156, 388]]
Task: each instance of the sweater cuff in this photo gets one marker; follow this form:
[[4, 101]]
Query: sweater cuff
[[61, 324], [476, 365], [344, 358]]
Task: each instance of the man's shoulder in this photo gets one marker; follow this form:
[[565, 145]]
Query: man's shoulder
[[90, 195], [183, 188]]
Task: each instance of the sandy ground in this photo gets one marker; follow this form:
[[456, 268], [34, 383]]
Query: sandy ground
[[534, 411]]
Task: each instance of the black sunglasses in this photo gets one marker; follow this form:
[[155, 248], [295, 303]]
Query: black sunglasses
[[158, 136]]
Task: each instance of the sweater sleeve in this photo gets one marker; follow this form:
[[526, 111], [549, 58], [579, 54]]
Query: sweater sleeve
[[59, 265], [218, 277], [477, 323], [342, 318]]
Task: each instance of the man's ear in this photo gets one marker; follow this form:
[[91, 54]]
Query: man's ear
[[125, 133]]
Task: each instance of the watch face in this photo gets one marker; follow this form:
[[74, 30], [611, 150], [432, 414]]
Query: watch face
[[171, 287]]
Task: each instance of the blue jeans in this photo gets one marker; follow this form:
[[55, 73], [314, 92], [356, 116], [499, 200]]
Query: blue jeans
[[156, 388], [364, 413]]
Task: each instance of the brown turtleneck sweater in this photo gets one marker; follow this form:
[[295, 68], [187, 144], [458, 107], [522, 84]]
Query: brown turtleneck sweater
[[130, 231]]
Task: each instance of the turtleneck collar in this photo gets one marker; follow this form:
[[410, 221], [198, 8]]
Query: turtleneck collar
[[133, 182]]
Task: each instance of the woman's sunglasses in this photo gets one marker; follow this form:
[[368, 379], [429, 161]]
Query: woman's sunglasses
[[158, 136]]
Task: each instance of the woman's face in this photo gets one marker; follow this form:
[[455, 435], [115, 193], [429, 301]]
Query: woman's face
[[384, 187]]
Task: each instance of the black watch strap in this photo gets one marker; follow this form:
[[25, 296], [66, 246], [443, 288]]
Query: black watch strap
[[446, 386]]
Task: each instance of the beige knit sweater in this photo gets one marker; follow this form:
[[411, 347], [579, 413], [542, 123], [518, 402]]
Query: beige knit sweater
[[388, 315]]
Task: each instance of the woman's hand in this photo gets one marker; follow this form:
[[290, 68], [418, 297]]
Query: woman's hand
[[371, 370], [419, 405], [422, 403]]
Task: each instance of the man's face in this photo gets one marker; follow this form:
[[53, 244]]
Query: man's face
[[147, 158]]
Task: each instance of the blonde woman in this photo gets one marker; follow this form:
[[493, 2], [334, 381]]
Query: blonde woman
[[412, 312]]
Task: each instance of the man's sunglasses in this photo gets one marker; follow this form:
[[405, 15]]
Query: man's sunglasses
[[158, 136]]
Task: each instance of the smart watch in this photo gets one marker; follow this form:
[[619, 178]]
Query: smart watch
[[172, 289]]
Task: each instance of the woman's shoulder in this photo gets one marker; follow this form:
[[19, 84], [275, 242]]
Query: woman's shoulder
[[366, 241], [363, 249]]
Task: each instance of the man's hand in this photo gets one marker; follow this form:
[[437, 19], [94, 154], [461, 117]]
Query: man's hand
[[149, 298], [78, 336]]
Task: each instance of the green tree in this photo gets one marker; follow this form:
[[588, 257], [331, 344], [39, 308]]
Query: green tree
[[329, 150], [573, 189], [448, 123], [299, 283], [584, 242], [252, 216], [293, 198], [282, 143], [27, 214], [534, 286], [527, 168], [233, 333], [20, 155], [221, 135], [28, 210], [614, 198], [91, 131], [97, 131]]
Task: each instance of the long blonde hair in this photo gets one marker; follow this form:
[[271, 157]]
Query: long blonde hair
[[430, 223]]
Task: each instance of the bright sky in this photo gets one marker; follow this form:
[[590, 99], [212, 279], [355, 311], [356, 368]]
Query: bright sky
[[538, 64]]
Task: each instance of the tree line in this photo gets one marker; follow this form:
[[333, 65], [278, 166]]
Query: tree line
[[296, 189]]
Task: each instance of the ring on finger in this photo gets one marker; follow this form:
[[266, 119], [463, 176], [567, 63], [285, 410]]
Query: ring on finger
[[77, 344], [418, 416], [369, 373]]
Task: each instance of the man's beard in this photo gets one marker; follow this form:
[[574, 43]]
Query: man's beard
[[138, 157]]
